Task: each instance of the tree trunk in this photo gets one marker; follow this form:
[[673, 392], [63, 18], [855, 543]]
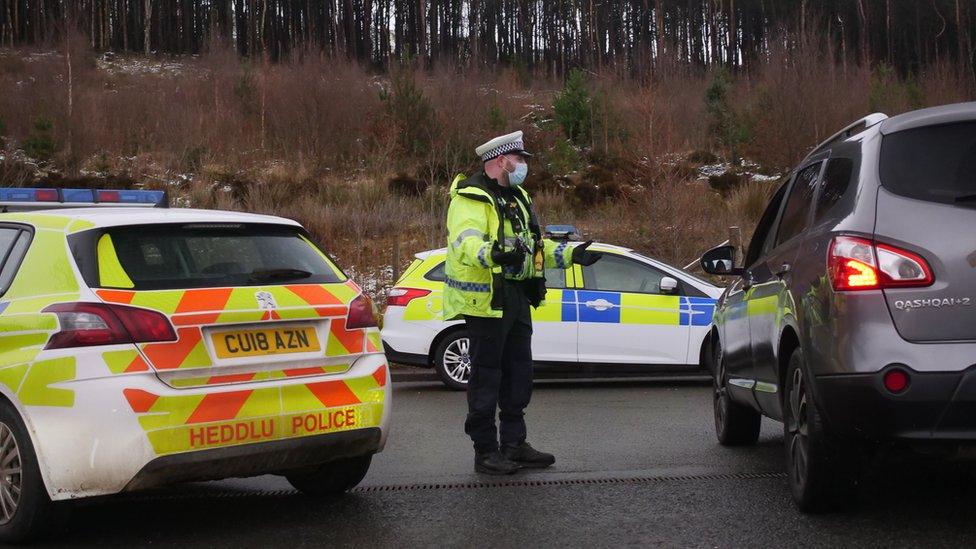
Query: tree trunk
[[474, 31], [659, 27], [147, 26], [733, 37], [422, 28]]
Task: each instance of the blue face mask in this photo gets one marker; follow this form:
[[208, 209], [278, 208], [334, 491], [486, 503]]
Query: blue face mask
[[518, 176]]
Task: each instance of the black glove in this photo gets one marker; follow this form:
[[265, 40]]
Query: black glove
[[584, 257], [514, 258]]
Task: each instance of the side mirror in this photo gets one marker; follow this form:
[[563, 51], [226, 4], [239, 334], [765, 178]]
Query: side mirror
[[668, 285], [720, 261]]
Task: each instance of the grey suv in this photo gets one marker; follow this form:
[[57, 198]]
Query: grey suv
[[853, 320]]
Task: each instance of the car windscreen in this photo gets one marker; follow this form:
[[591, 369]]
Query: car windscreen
[[933, 163], [201, 255]]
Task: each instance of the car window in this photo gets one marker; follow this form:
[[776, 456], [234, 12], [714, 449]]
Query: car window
[[14, 244], [437, 274], [8, 235], [797, 210], [836, 180], [692, 276], [764, 232], [556, 278], [160, 257], [933, 163], [614, 273]]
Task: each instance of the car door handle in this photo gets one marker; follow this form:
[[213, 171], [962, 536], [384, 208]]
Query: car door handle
[[783, 270], [599, 304]]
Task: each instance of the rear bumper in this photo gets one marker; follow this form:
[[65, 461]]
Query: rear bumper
[[936, 407], [410, 359], [130, 430], [257, 459], [410, 337]]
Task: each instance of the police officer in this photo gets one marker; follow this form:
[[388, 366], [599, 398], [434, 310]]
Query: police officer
[[496, 261]]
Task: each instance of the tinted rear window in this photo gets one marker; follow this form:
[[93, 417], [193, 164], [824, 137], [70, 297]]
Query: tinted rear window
[[836, 180], [935, 163], [158, 257]]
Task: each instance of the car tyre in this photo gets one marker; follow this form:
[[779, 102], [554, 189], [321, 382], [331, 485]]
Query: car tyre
[[735, 424], [822, 471], [452, 360], [332, 478], [26, 511]]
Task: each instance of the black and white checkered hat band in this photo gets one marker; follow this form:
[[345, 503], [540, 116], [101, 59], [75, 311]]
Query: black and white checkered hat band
[[502, 149]]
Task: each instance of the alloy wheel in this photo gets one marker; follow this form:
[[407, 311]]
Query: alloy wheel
[[11, 476], [720, 400], [457, 360], [798, 429]]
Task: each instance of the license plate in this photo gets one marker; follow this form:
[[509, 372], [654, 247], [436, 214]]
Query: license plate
[[274, 341]]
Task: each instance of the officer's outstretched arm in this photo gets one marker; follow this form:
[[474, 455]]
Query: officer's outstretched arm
[[467, 233], [558, 255]]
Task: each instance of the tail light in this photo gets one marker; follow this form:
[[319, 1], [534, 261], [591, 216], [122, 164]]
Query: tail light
[[862, 264], [401, 296], [361, 313], [86, 324]]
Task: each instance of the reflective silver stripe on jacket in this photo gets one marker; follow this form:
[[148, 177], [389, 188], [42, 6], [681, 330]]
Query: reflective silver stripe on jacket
[[466, 233]]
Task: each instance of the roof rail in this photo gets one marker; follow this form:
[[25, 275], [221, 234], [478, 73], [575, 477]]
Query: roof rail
[[15, 199], [860, 125]]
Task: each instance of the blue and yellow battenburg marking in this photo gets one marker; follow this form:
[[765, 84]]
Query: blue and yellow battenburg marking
[[632, 308]]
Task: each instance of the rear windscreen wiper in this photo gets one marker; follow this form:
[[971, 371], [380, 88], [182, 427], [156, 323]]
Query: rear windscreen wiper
[[965, 198], [278, 274]]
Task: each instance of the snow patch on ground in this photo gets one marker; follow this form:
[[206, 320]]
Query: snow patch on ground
[[746, 169], [115, 65]]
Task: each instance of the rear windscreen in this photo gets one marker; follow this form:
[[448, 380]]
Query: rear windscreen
[[934, 163], [159, 257]]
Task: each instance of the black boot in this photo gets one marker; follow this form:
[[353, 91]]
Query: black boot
[[494, 463], [526, 456]]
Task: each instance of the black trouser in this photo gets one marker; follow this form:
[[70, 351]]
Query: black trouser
[[501, 373]]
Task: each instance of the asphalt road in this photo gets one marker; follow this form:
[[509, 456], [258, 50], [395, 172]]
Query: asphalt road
[[637, 464]]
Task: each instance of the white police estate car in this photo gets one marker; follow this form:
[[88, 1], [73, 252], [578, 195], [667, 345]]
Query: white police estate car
[[624, 310]]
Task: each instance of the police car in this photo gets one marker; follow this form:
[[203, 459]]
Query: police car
[[626, 310], [141, 346]]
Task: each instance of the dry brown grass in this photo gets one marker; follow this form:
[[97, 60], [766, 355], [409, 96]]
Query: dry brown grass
[[316, 140]]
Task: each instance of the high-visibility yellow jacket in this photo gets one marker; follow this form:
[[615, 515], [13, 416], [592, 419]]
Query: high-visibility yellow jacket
[[474, 217]]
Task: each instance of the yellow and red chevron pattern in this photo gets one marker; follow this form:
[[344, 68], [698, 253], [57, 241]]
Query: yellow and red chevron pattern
[[184, 423], [190, 310]]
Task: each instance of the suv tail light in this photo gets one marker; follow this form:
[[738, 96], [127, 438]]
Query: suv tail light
[[361, 313], [401, 296], [86, 324], [861, 264]]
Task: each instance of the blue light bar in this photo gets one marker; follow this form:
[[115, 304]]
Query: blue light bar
[[561, 232], [21, 195], [77, 195], [142, 197], [17, 199], [561, 229]]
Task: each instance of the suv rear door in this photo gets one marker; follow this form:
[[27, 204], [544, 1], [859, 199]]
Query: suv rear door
[[768, 300], [927, 205]]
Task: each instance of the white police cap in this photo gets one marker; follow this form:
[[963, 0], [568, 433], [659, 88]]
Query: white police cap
[[511, 143]]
